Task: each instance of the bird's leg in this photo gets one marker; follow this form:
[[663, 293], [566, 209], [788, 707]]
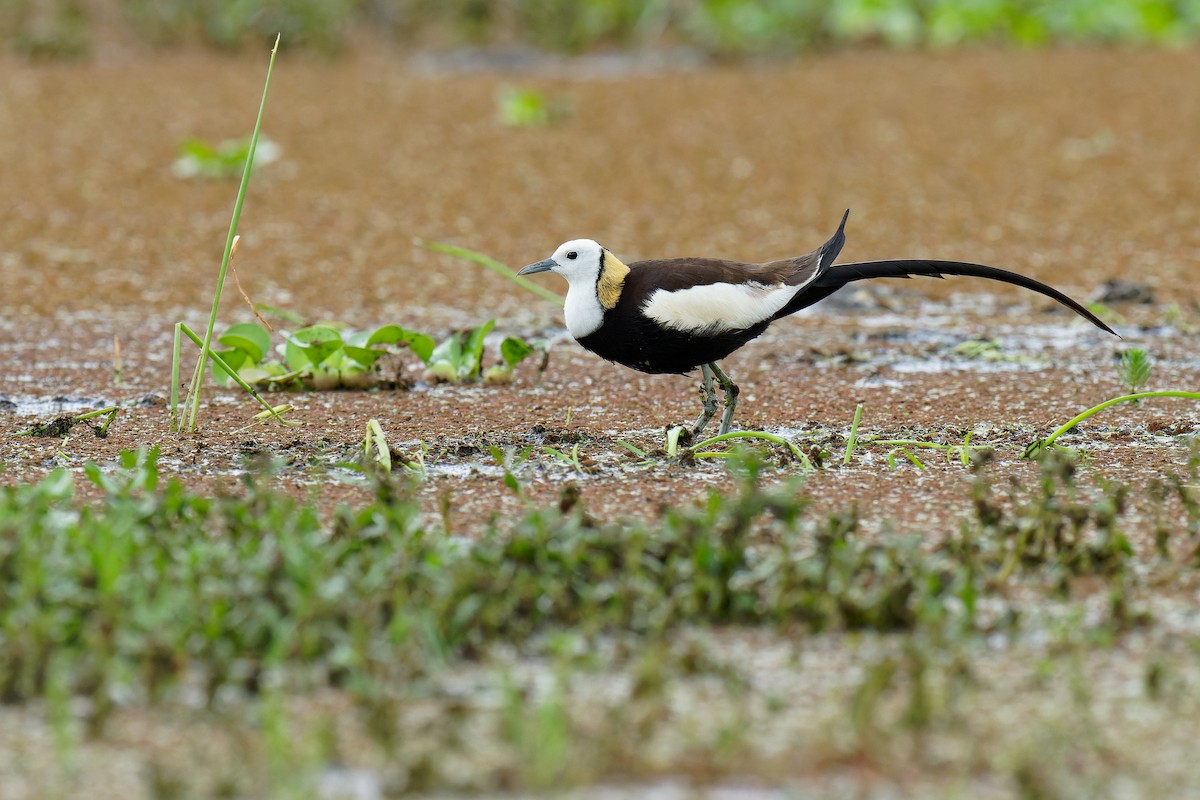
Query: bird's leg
[[731, 397], [708, 396]]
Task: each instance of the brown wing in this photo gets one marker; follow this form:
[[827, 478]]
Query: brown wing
[[674, 274]]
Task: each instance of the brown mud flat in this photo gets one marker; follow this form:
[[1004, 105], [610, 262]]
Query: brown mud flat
[[1071, 166]]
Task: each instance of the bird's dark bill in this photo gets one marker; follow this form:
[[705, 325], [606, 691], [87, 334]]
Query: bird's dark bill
[[541, 266]]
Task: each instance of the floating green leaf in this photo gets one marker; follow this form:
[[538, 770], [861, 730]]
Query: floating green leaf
[[249, 337], [421, 344], [312, 345], [514, 351]]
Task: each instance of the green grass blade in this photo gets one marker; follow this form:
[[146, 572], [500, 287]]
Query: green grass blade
[[904, 451], [220, 362], [1041, 444], [205, 350], [852, 439], [495, 266], [173, 421], [637, 451], [767, 437]]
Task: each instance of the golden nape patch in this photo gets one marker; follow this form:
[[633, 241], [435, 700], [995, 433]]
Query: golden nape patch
[[612, 279]]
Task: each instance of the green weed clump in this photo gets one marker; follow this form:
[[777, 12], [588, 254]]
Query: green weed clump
[[725, 27], [331, 356], [154, 586]]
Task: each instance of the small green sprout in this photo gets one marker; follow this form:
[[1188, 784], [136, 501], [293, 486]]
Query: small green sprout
[[199, 159], [852, 439], [983, 349], [571, 459], [518, 107], [1134, 368], [509, 460], [376, 454]]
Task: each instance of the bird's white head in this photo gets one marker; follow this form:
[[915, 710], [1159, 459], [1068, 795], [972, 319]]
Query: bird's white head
[[579, 261], [594, 276]]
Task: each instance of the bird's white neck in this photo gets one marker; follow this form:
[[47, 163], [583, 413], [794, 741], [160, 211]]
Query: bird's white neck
[[582, 311]]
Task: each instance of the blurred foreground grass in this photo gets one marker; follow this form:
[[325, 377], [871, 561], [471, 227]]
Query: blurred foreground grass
[[746, 635], [67, 28]]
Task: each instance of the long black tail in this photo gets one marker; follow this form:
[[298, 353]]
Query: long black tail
[[837, 276]]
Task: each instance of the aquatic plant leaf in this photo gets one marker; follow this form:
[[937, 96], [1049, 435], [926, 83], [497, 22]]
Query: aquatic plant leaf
[[446, 359], [363, 355], [472, 351], [312, 345], [421, 344], [249, 337], [514, 350], [236, 359]]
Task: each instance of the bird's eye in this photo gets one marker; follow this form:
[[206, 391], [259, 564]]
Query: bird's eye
[[572, 255]]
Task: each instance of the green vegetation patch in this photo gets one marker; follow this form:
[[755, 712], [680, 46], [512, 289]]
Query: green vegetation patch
[[64, 28], [154, 586], [330, 355]]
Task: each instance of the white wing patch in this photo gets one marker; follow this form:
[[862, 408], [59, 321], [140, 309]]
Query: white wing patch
[[717, 307]]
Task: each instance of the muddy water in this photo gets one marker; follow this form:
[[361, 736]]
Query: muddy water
[[1074, 166], [1071, 166]]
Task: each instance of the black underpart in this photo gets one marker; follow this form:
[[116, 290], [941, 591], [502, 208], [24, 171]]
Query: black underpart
[[836, 277], [640, 343]]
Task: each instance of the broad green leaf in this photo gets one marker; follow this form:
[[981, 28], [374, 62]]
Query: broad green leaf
[[312, 345], [514, 351], [387, 334], [357, 338], [365, 356], [472, 352], [421, 344], [449, 351], [254, 375], [248, 336], [236, 359]]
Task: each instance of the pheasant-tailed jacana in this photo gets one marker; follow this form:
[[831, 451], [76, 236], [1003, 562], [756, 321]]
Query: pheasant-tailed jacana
[[674, 315]]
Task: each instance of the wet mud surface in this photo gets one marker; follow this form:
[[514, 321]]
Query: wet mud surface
[[1074, 167]]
